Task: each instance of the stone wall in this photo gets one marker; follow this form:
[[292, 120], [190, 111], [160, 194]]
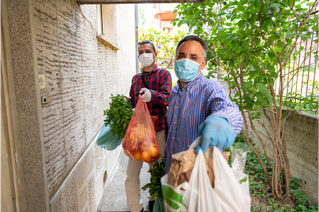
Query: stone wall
[[6, 173], [80, 81], [63, 168], [301, 135]]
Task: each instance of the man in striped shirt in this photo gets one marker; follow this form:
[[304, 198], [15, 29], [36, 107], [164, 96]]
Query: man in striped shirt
[[197, 105], [154, 85]]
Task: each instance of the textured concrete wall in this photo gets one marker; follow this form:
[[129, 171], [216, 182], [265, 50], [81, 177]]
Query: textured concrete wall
[[63, 168], [24, 107], [301, 135], [81, 75], [6, 194], [110, 22], [127, 57]]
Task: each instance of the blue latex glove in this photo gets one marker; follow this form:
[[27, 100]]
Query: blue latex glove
[[215, 131]]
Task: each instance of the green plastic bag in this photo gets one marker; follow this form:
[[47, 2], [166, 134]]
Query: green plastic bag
[[173, 197], [107, 140], [159, 206]]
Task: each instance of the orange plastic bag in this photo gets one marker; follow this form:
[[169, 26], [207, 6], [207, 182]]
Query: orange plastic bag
[[139, 142]]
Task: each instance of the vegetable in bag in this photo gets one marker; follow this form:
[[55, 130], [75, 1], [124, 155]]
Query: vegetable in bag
[[183, 163], [117, 119], [227, 195], [119, 115], [140, 141]]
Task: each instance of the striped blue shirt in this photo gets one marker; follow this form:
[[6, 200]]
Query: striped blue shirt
[[189, 107]]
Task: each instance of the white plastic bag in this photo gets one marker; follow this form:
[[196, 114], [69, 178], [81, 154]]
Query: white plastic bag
[[173, 197], [227, 194]]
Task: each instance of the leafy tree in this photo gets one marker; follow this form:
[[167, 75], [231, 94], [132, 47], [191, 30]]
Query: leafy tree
[[254, 41], [165, 42], [141, 17]]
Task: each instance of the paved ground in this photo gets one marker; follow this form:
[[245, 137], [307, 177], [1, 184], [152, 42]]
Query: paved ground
[[114, 198]]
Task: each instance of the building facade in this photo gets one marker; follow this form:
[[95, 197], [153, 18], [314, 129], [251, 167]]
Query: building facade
[[61, 61]]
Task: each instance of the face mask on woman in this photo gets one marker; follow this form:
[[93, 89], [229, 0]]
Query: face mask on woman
[[146, 59], [186, 70]]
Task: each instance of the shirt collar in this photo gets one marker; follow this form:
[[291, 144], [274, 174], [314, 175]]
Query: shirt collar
[[153, 70], [192, 84]]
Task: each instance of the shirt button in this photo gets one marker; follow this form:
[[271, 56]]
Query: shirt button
[[188, 89], [174, 122], [173, 138], [176, 107]]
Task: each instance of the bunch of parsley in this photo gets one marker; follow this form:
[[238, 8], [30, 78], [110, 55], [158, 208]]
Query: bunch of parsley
[[119, 115], [157, 172]]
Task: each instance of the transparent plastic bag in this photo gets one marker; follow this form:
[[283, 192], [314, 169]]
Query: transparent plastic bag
[[139, 142], [238, 158]]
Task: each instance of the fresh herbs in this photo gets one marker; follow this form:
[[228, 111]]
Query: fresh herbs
[[157, 172], [119, 115]]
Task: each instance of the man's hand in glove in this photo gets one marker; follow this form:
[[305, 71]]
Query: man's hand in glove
[[215, 131], [146, 95]]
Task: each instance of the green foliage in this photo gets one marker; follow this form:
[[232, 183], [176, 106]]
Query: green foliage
[[302, 201], [253, 167], [251, 40], [258, 187], [257, 208], [157, 172], [165, 43], [119, 115], [141, 17], [308, 104]]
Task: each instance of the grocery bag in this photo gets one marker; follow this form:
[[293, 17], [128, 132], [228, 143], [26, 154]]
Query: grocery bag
[[183, 163], [107, 140], [238, 158], [139, 142], [227, 195], [173, 197]]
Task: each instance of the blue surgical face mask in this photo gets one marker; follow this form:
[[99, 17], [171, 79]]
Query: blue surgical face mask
[[186, 70]]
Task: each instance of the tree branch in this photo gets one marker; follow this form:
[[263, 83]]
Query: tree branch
[[265, 37], [259, 158], [308, 16], [285, 157], [298, 69], [268, 133], [291, 51], [295, 14], [266, 115], [216, 34], [216, 59], [261, 140]]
